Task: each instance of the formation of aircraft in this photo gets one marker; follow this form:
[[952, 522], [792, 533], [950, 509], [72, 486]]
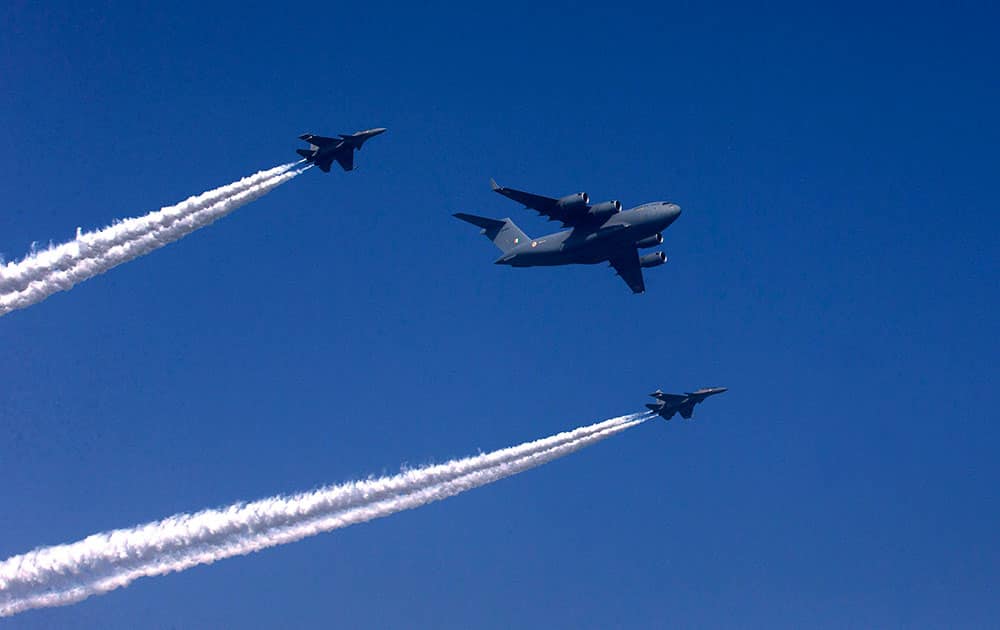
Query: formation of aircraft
[[667, 405], [323, 152], [596, 233]]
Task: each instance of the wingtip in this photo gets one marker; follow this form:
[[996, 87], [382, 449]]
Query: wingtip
[[494, 185], [465, 216]]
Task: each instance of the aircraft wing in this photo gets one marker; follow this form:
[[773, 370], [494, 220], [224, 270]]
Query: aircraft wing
[[546, 206], [670, 398], [319, 141], [346, 160], [626, 264], [324, 164], [687, 411]]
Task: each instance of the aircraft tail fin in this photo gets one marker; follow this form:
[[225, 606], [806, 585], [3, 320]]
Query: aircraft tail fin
[[504, 234]]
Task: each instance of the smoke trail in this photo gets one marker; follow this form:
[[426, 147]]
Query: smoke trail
[[20, 274], [59, 268], [65, 574]]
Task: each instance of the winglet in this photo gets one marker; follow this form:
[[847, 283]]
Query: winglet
[[494, 186]]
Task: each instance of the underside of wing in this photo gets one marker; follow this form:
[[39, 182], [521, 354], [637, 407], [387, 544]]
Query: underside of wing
[[324, 164], [687, 411], [346, 160], [626, 264]]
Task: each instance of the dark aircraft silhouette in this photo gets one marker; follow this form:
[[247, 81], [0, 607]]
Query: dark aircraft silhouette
[[324, 151], [669, 404], [598, 233]]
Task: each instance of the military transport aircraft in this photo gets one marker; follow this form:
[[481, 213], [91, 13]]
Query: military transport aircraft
[[323, 151], [598, 233], [669, 404]]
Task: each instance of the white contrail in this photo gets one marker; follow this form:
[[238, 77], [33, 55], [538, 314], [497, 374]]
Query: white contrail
[[17, 275], [64, 574], [59, 268]]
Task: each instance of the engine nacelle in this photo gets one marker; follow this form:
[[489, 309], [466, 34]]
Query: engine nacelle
[[650, 241], [575, 203], [604, 211], [652, 260]]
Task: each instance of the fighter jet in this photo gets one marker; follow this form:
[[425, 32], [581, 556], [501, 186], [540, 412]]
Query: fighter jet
[[324, 151], [597, 233], [669, 404]]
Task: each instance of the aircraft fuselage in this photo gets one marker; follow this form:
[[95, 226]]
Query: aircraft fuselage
[[590, 246]]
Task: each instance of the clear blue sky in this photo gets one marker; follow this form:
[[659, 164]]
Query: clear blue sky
[[836, 266]]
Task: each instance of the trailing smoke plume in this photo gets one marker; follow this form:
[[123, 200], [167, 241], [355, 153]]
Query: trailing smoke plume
[[64, 574], [59, 268]]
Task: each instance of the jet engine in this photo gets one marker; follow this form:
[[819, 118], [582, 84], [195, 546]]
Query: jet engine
[[652, 260], [575, 203], [650, 241], [604, 211]]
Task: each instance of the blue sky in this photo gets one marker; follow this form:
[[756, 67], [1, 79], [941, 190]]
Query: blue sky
[[836, 266]]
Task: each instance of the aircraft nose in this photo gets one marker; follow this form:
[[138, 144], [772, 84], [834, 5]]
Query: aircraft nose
[[670, 212]]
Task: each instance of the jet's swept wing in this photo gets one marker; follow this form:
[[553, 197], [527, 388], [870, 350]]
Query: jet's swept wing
[[345, 159], [669, 398], [626, 264], [318, 141], [546, 206]]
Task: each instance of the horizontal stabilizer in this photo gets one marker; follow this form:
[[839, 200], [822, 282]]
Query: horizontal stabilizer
[[306, 153], [483, 222], [504, 234]]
